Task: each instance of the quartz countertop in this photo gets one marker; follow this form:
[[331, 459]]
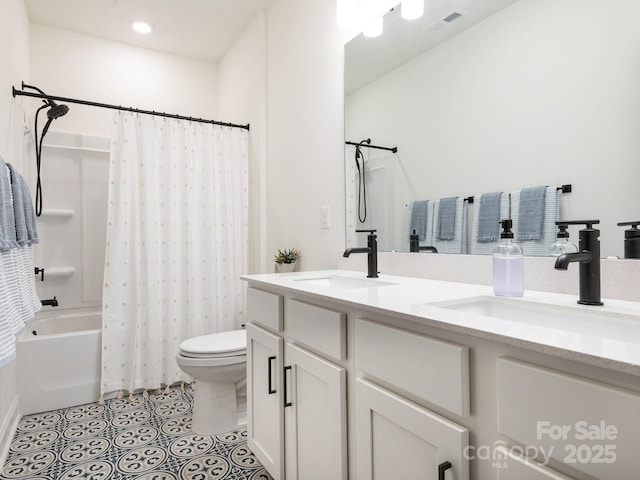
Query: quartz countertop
[[609, 337]]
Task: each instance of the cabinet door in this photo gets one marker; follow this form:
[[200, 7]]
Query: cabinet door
[[315, 417], [396, 438], [265, 419]]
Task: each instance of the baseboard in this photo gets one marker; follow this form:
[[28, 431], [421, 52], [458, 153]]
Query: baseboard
[[8, 430]]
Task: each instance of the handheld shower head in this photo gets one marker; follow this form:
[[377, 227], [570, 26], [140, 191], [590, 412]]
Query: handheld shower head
[[55, 110]]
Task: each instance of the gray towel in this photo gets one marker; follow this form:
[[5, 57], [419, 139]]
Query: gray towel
[[488, 217], [531, 214], [23, 212], [447, 218], [418, 221], [7, 221]]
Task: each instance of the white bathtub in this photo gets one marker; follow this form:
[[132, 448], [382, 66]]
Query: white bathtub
[[58, 361]]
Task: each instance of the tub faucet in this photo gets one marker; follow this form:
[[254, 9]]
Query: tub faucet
[[371, 250], [589, 259], [51, 303]]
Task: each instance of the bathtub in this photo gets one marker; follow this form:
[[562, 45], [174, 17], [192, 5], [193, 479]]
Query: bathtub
[[58, 361]]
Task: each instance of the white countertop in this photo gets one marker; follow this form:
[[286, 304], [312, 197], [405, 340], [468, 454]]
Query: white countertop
[[609, 337]]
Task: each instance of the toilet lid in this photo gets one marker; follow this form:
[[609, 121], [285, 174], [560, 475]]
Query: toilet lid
[[216, 344]]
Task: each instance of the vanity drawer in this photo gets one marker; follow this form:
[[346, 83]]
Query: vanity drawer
[[589, 426], [434, 370], [318, 328], [265, 308]]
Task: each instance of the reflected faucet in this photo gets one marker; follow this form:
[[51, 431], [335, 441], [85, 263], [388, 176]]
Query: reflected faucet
[[589, 259], [371, 250]]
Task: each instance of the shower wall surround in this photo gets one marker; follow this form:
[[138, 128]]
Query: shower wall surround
[[72, 228]]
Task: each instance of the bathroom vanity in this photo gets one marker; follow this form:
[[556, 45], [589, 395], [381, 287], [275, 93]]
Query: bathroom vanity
[[398, 377]]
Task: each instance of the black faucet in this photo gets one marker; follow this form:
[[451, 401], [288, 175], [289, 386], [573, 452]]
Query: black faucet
[[51, 303], [589, 258], [414, 245], [371, 250]]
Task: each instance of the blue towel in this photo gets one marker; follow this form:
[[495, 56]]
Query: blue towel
[[418, 221], [23, 213], [7, 221], [531, 214], [447, 218], [489, 217]]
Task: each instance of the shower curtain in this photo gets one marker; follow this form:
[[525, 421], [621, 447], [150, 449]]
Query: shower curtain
[[177, 234]]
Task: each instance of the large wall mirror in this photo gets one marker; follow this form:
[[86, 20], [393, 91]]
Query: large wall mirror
[[512, 94]]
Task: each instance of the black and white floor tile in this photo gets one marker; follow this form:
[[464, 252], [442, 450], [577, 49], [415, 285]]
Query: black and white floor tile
[[144, 439]]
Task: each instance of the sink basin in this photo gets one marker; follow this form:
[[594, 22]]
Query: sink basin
[[572, 319], [342, 282]]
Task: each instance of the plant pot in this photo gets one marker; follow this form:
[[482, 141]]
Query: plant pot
[[286, 267]]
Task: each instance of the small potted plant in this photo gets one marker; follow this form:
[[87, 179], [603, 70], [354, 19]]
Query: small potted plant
[[287, 260]]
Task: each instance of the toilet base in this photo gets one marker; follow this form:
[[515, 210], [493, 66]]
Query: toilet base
[[215, 409]]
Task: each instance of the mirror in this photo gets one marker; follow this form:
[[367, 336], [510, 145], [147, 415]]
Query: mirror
[[512, 94]]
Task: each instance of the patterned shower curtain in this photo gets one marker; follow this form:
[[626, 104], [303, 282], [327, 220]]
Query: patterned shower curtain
[[177, 239]]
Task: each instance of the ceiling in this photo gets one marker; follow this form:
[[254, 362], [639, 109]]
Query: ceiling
[[202, 29]]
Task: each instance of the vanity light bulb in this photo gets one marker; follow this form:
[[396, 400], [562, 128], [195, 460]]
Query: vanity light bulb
[[412, 9], [347, 13], [373, 27]]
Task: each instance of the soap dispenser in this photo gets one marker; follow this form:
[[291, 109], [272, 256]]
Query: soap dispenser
[[562, 245], [631, 239], [508, 264]]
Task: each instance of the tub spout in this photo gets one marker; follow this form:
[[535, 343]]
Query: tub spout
[[51, 303]]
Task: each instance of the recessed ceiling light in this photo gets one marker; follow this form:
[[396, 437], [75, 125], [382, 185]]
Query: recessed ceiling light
[[141, 27]]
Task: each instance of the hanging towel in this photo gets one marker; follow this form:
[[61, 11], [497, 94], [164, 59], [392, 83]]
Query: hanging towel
[[541, 246], [7, 221], [24, 216], [531, 214], [458, 243], [447, 218], [419, 216], [488, 217]]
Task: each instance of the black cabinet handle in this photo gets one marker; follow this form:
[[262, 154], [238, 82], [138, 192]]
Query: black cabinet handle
[[286, 403], [443, 467], [270, 387]]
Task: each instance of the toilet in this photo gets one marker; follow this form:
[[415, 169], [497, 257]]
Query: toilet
[[218, 362]]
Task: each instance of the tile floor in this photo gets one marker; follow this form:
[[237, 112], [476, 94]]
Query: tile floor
[[142, 439]]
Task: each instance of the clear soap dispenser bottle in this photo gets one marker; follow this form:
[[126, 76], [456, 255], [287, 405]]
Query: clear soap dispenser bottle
[[562, 245], [508, 264]]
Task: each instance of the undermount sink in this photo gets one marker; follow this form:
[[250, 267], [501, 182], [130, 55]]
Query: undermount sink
[[343, 282], [573, 319]]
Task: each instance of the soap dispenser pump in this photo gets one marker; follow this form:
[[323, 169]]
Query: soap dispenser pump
[[508, 264], [631, 239], [562, 245]]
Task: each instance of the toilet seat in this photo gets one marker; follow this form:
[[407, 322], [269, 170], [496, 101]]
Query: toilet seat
[[216, 345]]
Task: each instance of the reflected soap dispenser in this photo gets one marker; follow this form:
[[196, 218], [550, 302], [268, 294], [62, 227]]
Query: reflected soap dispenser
[[631, 239], [508, 264], [414, 242], [562, 245]]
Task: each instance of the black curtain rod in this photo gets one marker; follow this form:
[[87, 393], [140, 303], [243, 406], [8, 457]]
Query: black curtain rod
[[563, 189], [126, 109], [391, 149]]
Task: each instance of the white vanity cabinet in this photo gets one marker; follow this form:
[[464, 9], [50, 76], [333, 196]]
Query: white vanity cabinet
[[396, 438], [296, 409]]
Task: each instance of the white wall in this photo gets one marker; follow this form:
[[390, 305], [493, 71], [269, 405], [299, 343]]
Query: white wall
[[242, 86], [69, 64], [543, 92], [305, 118], [14, 55]]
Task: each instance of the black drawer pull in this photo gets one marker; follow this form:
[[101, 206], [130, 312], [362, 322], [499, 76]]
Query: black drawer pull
[[270, 388], [286, 403], [444, 466]]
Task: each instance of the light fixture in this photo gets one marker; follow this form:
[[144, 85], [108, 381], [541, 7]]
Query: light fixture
[[140, 26], [347, 13], [412, 9]]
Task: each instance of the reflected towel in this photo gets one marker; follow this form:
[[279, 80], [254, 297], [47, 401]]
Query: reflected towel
[[419, 215], [488, 217], [447, 218], [531, 214], [7, 221]]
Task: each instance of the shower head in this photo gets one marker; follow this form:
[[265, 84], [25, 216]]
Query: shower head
[[55, 110]]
